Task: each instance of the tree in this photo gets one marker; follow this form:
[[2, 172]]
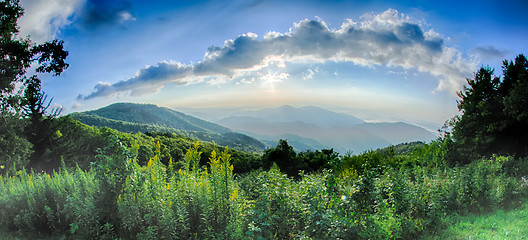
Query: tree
[[494, 113], [514, 135], [26, 105], [315, 160], [41, 129], [284, 156]]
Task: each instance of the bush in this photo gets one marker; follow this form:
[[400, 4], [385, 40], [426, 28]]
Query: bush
[[119, 198]]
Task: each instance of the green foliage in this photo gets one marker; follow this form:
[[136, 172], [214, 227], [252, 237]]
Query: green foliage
[[494, 114], [77, 144], [14, 149], [29, 103], [385, 194], [119, 198], [44, 203], [511, 224], [191, 203], [112, 167], [292, 163], [147, 118]]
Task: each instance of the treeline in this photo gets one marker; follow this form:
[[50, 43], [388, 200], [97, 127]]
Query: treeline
[[494, 117]]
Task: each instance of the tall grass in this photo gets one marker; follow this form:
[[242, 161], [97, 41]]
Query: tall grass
[[366, 199]]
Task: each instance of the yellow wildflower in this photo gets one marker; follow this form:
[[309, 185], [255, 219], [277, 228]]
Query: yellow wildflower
[[234, 195]]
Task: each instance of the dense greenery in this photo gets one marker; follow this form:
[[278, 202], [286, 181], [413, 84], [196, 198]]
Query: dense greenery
[[133, 118], [400, 196], [26, 127]]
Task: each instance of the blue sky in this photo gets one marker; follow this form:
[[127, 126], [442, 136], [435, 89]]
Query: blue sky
[[378, 60]]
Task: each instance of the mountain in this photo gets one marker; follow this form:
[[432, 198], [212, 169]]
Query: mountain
[[313, 126], [154, 115], [342, 139], [309, 114], [132, 118]]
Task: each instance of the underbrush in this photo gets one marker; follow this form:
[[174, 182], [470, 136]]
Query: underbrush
[[120, 199]]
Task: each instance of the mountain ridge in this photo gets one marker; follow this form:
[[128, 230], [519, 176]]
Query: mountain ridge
[[342, 135], [133, 118], [155, 115]]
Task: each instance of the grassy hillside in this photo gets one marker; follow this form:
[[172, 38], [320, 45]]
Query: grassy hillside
[[157, 116], [133, 118]]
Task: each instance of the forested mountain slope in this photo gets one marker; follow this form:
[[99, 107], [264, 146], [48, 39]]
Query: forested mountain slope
[[133, 118]]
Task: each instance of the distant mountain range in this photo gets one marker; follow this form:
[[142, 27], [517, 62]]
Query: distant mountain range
[[315, 128], [310, 115], [304, 128], [132, 118]]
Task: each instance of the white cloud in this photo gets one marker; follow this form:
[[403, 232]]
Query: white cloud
[[389, 38], [126, 16], [43, 19], [310, 73]]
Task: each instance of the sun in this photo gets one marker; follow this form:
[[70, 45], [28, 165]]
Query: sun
[[270, 79]]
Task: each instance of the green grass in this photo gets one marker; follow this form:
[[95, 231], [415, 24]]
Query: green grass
[[501, 224]]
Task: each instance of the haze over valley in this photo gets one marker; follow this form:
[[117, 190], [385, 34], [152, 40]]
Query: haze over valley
[[316, 128]]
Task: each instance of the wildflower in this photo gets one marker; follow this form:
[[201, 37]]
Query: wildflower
[[343, 198], [234, 195]]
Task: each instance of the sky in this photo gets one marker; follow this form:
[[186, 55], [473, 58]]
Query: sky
[[377, 60]]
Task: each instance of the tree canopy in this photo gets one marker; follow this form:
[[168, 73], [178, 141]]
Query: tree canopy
[[24, 122], [494, 111]]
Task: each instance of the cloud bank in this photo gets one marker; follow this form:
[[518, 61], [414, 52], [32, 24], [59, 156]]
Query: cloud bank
[[43, 19], [389, 38]]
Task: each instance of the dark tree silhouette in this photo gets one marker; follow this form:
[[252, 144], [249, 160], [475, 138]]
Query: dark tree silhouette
[[494, 113], [27, 105]]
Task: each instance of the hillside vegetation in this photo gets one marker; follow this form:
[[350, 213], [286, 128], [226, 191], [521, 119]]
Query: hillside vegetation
[[373, 195], [154, 115], [145, 118]]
